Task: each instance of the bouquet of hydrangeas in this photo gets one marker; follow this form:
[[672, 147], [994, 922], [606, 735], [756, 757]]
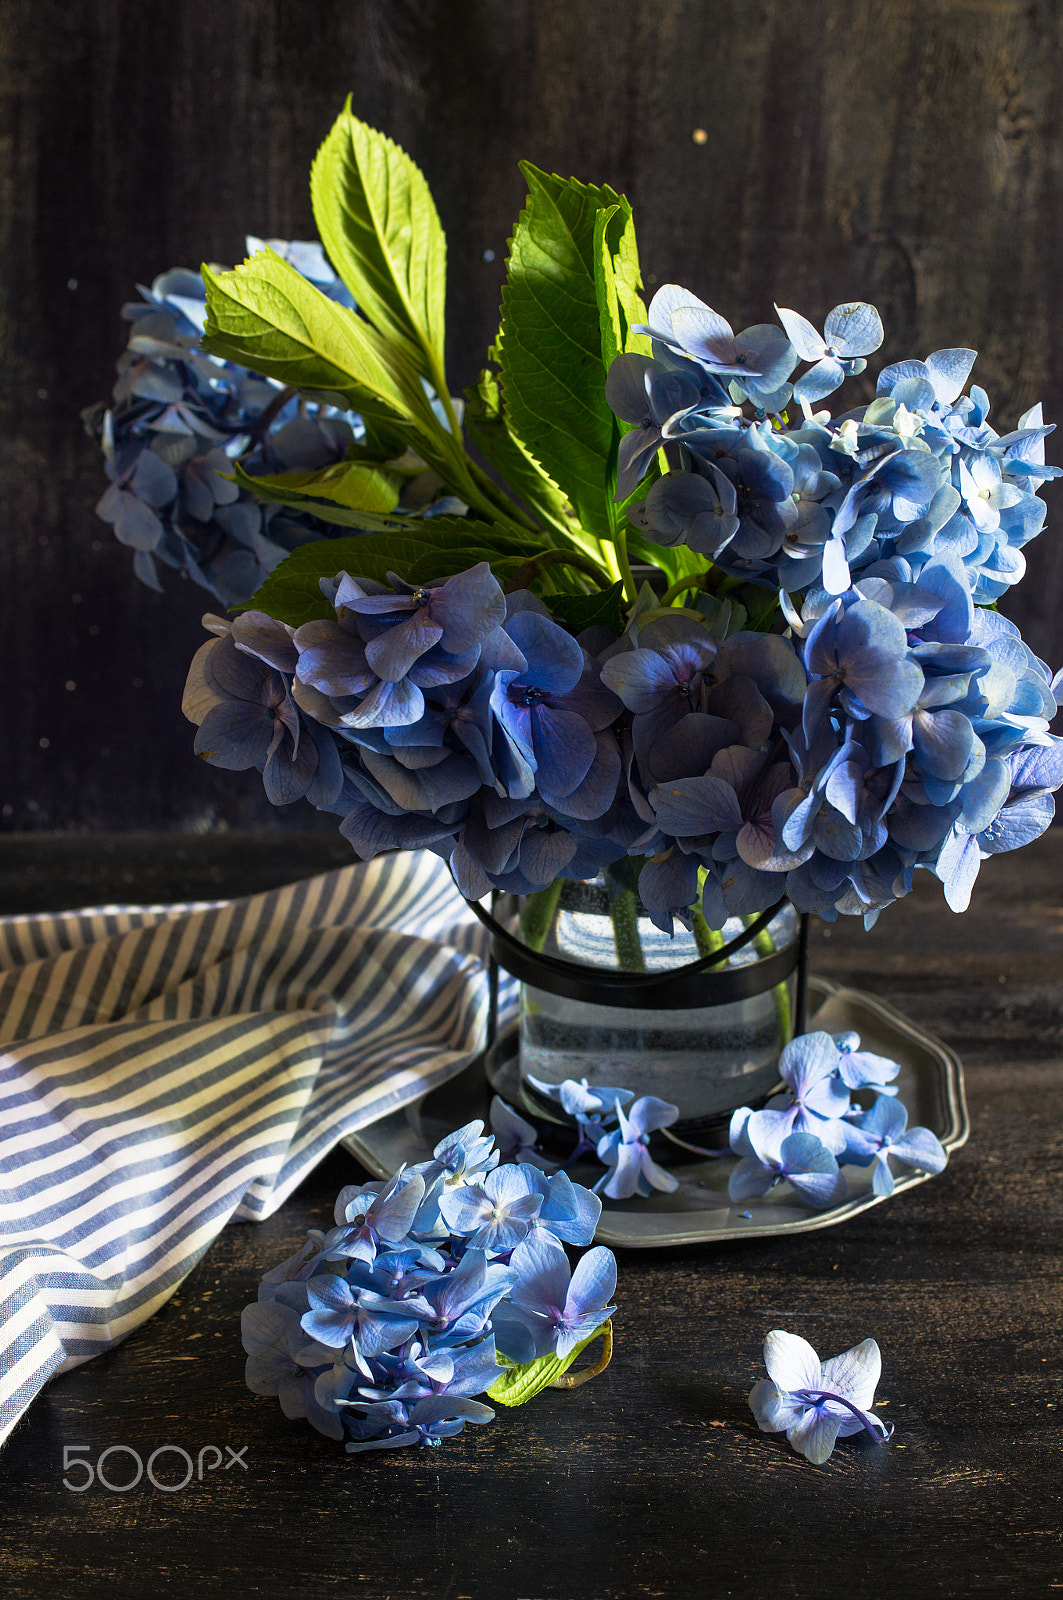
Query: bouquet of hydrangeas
[[675, 622]]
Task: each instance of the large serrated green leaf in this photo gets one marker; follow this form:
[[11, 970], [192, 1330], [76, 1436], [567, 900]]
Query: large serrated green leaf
[[518, 1385], [275, 490], [610, 321], [379, 224], [550, 342], [266, 316], [442, 532]]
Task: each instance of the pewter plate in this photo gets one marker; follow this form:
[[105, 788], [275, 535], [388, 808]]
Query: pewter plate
[[699, 1212]]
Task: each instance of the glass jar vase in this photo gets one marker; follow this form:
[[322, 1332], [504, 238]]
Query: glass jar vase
[[697, 1019]]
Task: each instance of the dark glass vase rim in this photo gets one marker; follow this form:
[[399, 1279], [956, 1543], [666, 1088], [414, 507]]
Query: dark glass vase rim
[[697, 983]]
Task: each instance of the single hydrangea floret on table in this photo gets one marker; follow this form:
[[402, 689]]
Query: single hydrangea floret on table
[[817, 1402], [692, 632], [447, 1281]]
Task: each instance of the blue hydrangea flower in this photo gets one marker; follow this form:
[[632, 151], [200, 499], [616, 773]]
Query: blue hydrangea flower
[[850, 332], [770, 1155], [557, 1306], [815, 1403], [626, 1150], [883, 1132], [495, 1215]]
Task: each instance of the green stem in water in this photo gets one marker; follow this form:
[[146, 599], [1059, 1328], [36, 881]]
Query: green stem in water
[[537, 915], [707, 939], [623, 910], [765, 945]]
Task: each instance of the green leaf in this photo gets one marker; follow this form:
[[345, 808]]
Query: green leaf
[[417, 551], [379, 224], [550, 342], [609, 315], [627, 277], [518, 1385], [275, 490], [490, 432], [579, 611], [761, 605], [348, 483], [266, 316]]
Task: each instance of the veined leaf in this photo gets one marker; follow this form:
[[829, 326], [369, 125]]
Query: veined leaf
[[610, 320], [442, 532], [550, 342], [417, 551], [266, 316], [379, 224], [348, 483], [518, 1385], [277, 491], [579, 611], [627, 276], [487, 427]]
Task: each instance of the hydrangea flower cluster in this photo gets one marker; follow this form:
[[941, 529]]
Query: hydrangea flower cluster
[[807, 1134], [810, 694], [917, 474], [449, 1280], [180, 418], [895, 726]]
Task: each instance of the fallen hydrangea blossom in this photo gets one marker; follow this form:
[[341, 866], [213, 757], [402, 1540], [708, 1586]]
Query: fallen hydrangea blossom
[[807, 1134], [448, 1280], [817, 1402]]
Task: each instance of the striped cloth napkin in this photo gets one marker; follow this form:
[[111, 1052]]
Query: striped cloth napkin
[[164, 1069]]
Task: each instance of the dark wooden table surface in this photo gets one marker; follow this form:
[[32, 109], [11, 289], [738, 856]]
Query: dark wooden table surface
[[652, 1480]]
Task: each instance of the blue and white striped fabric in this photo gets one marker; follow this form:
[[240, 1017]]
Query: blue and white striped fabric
[[166, 1069]]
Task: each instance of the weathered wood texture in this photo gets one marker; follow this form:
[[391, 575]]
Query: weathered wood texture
[[887, 149], [652, 1480]]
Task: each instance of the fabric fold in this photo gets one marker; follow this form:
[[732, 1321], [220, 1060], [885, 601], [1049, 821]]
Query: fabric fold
[[166, 1069]]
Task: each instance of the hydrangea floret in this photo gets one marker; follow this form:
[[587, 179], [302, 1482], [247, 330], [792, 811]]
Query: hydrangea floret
[[815, 1402], [805, 1135], [447, 1281], [692, 625]]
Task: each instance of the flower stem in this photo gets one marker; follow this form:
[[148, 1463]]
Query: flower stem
[[765, 945], [538, 564], [537, 915], [572, 1380], [707, 939], [623, 909], [623, 564], [817, 1396]]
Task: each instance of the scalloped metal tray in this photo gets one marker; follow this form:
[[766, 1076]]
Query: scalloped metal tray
[[699, 1212]]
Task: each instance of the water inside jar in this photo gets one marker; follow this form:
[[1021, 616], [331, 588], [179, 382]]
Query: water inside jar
[[704, 1059]]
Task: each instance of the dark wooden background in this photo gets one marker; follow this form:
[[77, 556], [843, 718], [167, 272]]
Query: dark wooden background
[[883, 149]]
